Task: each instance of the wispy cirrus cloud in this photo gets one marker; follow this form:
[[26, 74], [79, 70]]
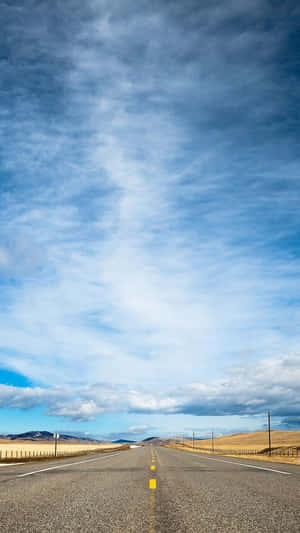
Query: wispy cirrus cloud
[[149, 205]]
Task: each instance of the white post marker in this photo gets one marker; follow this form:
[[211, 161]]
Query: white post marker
[[56, 437]]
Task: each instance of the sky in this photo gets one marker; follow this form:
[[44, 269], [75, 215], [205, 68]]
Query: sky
[[149, 216]]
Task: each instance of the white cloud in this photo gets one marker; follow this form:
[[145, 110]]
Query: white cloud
[[141, 255], [4, 258], [138, 429], [268, 384]]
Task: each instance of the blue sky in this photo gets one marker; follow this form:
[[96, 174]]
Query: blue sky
[[149, 252]]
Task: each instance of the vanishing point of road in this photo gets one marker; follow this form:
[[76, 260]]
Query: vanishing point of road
[[150, 490]]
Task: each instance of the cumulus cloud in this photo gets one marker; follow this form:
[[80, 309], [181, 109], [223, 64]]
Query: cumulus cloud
[[290, 422], [138, 429], [131, 433], [269, 384]]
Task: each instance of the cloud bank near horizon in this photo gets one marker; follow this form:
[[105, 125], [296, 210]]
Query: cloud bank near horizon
[[246, 391], [149, 207]]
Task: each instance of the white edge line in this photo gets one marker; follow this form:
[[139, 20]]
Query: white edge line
[[11, 464], [65, 465], [247, 466]]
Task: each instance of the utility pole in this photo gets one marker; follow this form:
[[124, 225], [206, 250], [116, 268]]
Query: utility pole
[[269, 431], [212, 442], [193, 439]]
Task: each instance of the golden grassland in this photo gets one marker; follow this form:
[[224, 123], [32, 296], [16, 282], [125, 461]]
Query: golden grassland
[[240, 442], [254, 441], [15, 447]]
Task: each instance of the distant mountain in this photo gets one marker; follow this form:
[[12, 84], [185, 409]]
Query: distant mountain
[[157, 441], [31, 435], [47, 436], [123, 441]]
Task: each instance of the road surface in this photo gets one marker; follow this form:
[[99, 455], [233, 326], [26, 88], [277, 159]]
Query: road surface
[[111, 493]]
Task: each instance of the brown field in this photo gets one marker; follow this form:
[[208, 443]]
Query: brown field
[[18, 449], [254, 441], [242, 444]]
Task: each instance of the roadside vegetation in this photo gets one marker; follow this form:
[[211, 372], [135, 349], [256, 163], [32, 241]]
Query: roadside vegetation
[[13, 452], [285, 446]]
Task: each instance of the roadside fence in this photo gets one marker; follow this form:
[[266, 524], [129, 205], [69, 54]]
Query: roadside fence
[[291, 451], [7, 455]]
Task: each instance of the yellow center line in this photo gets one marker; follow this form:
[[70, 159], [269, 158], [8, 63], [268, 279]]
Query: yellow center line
[[152, 487], [152, 512], [152, 483]]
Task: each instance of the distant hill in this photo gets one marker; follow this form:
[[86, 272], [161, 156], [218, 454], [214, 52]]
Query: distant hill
[[123, 441], [47, 436], [156, 441], [255, 440]]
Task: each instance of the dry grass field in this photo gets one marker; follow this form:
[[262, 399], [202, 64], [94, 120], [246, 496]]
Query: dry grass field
[[24, 449], [283, 442], [254, 441]]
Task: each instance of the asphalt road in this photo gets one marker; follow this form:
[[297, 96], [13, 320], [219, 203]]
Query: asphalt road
[[111, 493]]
